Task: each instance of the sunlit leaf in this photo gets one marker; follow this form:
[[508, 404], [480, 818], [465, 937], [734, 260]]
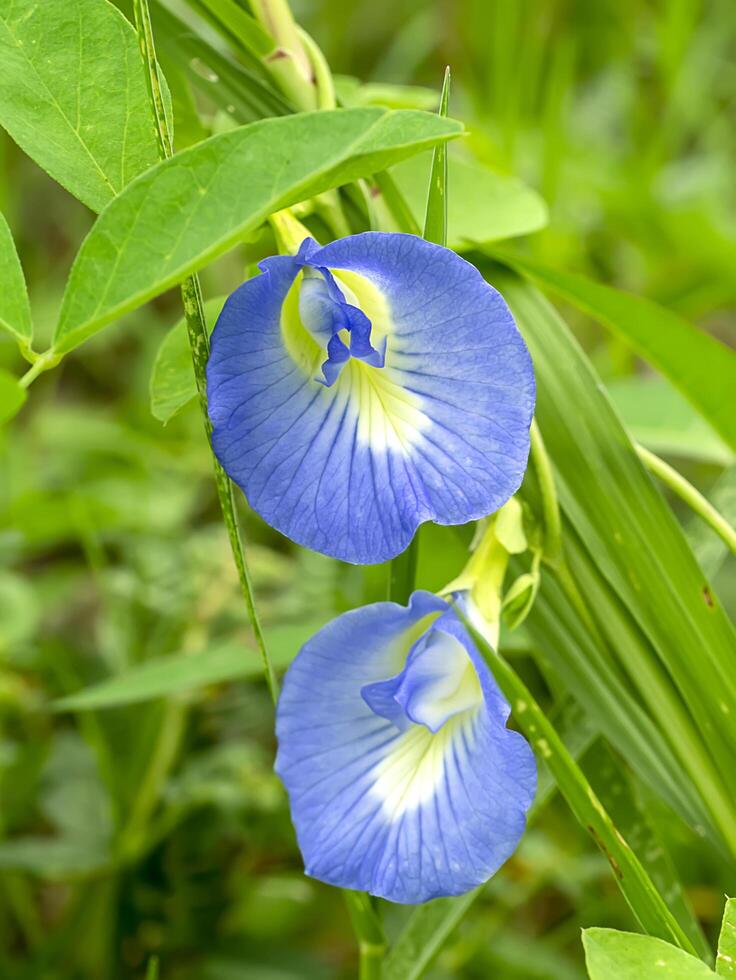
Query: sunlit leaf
[[612, 955], [73, 95], [726, 958], [710, 549], [196, 205]]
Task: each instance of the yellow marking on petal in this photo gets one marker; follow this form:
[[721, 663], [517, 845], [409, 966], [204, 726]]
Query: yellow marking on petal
[[302, 348], [389, 416], [361, 292], [411, 773]]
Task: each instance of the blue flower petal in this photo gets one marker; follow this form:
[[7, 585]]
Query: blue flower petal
[[405, 809], [424, 405]]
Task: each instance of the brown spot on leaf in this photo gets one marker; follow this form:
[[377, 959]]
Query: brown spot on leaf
[[616, 867], [708, 596]]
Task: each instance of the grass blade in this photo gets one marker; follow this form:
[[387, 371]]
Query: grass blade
[[701, 367], [435, 218], [638, 548], [636, 886]]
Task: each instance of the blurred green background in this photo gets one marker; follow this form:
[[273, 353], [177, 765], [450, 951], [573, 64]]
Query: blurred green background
[[159, 828]]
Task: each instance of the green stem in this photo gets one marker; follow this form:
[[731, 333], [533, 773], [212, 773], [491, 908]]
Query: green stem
[[369, 931], [689, 495], [43, 362], [548, 490], [161, 760], [191, 294]]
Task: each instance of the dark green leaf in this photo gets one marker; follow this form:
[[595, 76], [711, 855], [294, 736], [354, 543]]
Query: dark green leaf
[[684, 640], [636, 886], [435, 216]]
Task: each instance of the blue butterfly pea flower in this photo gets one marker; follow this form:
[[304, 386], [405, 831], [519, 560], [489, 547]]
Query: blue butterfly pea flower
[[359, 389], [403, 779]]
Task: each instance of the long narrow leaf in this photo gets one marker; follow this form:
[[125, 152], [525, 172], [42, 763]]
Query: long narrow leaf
[[632, 536], [435, 218], [637, 888], [701, 367]]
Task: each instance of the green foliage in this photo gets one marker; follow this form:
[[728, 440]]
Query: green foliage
[[172, 379], [483, 206], [143, 831], [614, 955], [189, 671], [703, 369], [678, 628], [12, 396], [659, 418], [73, 96], [15, 312], [726, 956], [195, 206]]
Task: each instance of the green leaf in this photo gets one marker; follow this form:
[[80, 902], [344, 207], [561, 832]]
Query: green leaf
[[612, 955], [426, 931], [726, 958], [53, 858], [636, 886], [12, 396], [172, 379], [623, 800], [700, 366], [351, 92], [176, 674], [658, 417], [710, 549], [679, 636], [15, 311], [231, 87], [193, 207], [483, 206], [587, 671], [435, 217], [73, 94]]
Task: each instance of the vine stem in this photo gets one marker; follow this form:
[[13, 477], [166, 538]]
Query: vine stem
[[191, 294], [687, 493], [369, 932], [548, 490]]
